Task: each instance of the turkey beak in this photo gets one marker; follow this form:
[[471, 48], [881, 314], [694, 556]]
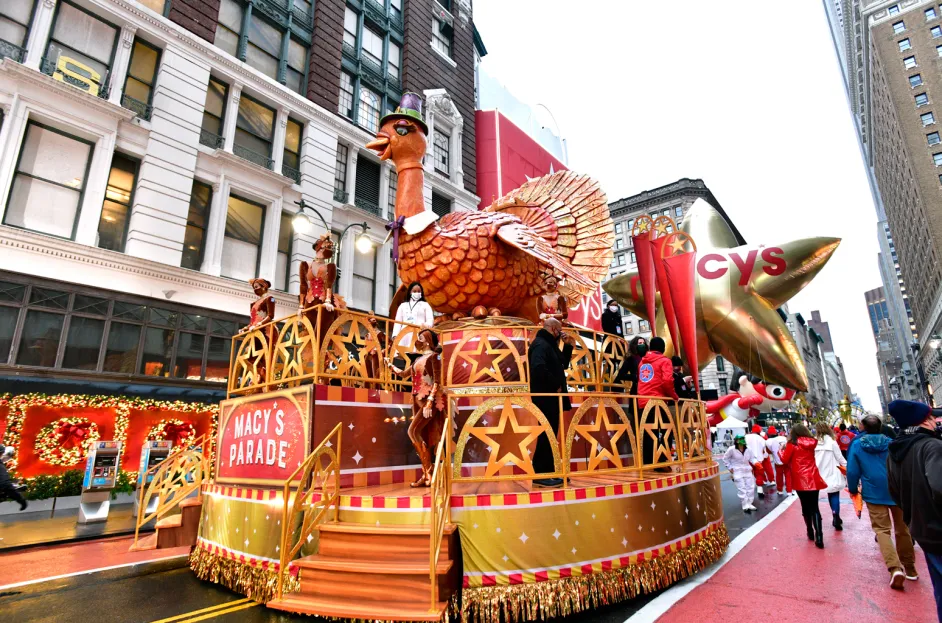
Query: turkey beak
[[380, 145]]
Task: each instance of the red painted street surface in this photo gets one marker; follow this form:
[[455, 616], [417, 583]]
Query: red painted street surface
[[44, 562], [781, 577]]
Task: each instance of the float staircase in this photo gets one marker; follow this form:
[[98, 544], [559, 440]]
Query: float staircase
[[374, 572]]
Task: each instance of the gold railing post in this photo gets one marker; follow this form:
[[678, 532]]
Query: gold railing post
[[679, 434], [283, 565], [639, 432], [230, 378], [560, 441], [337, 475]]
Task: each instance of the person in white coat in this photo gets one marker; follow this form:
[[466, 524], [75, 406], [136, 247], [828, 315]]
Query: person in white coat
[[741, 462], [774, 445], [829, 458], [414, 311], [763, 467]]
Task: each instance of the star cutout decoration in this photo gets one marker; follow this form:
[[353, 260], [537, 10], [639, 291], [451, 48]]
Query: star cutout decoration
[[508, 441], [603, 434], [487, 358], [249, 359], [739, 288], [290, 349]]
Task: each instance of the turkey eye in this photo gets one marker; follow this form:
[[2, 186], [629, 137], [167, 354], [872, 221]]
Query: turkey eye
[[402, 131]]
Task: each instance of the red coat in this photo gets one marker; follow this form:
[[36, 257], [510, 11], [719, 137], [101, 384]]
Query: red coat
[[655, 377], [799, 461]]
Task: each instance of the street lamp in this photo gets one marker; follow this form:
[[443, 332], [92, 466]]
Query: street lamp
[[302, 224]]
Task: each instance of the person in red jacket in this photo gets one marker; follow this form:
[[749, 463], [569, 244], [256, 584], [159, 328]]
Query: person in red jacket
[[655, 380], [798, 459]]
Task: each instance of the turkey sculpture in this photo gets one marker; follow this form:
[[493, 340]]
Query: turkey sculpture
[[494, 257]]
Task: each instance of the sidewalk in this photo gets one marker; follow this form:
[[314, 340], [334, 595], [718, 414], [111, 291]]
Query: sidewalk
[[781, 577], [18, 530]]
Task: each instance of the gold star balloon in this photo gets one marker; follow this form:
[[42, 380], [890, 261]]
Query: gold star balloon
[[739, 288]]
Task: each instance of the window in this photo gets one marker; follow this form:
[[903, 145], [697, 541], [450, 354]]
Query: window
[[629, 328], [283, 262], [722, 385], [634, 260], [372, 45], [350, 27], [619, 243], [49, 182], [364, 279], [937, 159], [909, 62], [115, 212], [369, 109], [393, 65], [442, 34], [930, 14], [899, 27], [617, 228], [938, 50], [644, 326], [936, 32], [214, 110], [87, 41], [15, 17], [915, 81], [292, 153], [243, 240], [194, 238], [927, 118], [905, 45], [441, 205], [720, 364], [933, 138], [893, 10], [366, 192], [267, 44], [442, 142], [142, 71], [345, 107], [922, 99], [340, 174], [621, 259], [255, 127], [395, 10], [393, 285], [393, 187]]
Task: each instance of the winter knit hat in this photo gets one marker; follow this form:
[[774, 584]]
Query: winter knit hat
[[908, 413], [756, 429], [772, 431]]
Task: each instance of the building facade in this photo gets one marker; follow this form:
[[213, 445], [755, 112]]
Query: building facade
[[159, 149], [899, 379], [809, 343], [888, 54], [673, 200]]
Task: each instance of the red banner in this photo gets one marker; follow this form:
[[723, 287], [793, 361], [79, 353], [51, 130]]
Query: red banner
[[667, 304], [644, 255], [263, 439], [680, 271], [141, 422], [4, 412], [28, 462]]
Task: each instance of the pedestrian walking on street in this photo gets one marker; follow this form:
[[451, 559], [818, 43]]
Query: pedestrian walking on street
[[845, 437], [914, 472], [829, 459], [866, 471], [763, 468], [798, 457], [7, 489], [739, 461], [775, 444]]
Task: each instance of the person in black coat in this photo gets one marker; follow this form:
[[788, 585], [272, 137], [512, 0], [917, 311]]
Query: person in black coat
[[683, 385], [7, 489], [628, 373], [611, 319], [548, 376]]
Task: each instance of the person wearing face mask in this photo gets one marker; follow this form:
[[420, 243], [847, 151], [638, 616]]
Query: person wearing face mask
[[548, 376], [914, 475], [611, 319], [414, 311], [628, 373]]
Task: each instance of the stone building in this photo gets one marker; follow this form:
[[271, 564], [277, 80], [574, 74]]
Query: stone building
[[153, 154]]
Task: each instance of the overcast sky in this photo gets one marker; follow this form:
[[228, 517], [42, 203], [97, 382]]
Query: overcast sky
[[745, 95]]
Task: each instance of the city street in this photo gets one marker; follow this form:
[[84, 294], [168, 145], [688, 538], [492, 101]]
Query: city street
[[168, 591]]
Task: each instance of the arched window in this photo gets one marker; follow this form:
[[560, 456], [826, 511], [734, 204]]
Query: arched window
[[369, 109], [441, 144]]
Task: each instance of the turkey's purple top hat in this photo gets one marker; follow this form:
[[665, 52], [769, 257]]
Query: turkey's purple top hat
[[409, 108]]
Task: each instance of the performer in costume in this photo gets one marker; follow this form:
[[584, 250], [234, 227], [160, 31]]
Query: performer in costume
[[740, 461], [749, 396], [763, 466], [317, 286], [263, 309], [553, 304], [374, 355], [414, 311], [428, 401]]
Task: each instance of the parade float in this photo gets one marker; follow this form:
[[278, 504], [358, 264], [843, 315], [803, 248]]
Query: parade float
[[375, 469]]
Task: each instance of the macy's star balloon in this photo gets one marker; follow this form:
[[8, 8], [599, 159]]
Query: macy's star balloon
[[739, 288]]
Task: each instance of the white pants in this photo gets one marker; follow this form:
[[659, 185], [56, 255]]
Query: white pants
[[745, 488]]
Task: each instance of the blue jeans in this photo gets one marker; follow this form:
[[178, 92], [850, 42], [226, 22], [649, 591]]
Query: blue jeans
[[934, 561], [834, 499]]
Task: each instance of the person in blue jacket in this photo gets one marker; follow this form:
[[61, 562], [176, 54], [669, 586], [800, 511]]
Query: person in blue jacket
[[866, 471]]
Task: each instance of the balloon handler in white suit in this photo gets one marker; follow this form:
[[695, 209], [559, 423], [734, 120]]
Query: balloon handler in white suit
[[740, 462]]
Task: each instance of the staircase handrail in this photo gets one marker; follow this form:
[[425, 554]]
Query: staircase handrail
[[440, 508], [174, 479], [314, 510]]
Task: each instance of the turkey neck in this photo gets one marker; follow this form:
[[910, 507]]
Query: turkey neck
[[410, 196]]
